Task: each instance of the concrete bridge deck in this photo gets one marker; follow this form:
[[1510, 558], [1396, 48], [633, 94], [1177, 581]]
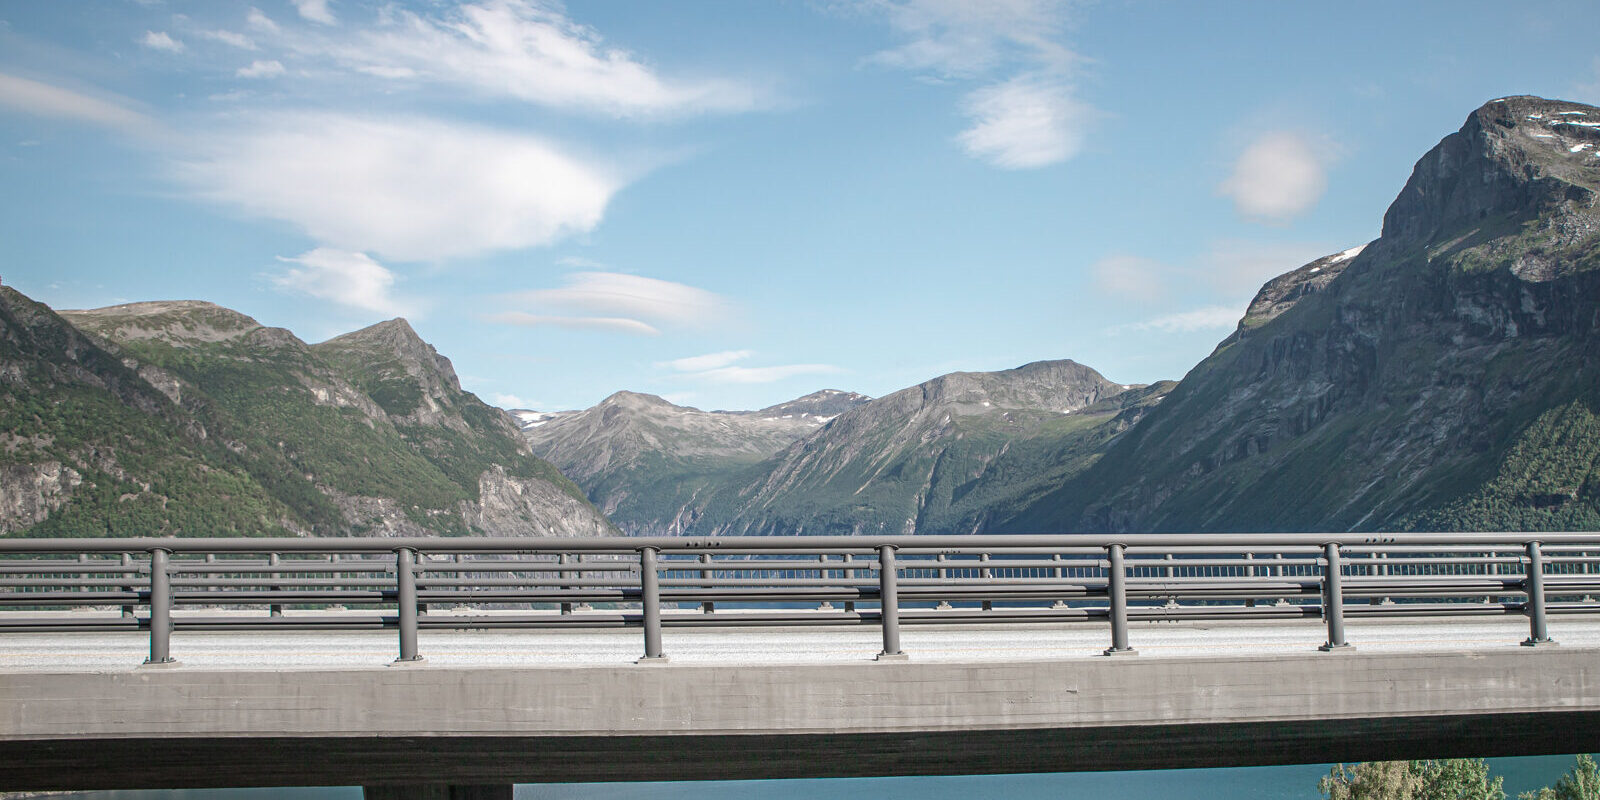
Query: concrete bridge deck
[[768, 646], [300, 709]]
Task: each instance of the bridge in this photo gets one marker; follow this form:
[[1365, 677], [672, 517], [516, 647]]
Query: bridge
[[417, 726]]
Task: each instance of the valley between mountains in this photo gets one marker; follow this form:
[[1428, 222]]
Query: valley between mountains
[[1445, 376]]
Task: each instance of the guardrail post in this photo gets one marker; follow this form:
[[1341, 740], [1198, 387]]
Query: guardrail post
[[706, 607], [160, 611], [985, 572], [944, 576], [406, 602], [1333, 599], [276, 609], [889, 604], [127, 561], [561, 579], [822, 575], [1059, 574], [1539, 631], [849, 576], [1117, 590], [1250, 572], [650, 604]]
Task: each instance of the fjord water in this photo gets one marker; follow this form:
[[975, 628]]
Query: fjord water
[[1292, 782]]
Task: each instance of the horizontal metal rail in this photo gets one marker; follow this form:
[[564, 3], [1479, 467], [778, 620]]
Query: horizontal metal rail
[[657, 582]]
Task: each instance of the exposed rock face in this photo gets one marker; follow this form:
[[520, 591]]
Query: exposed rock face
[[924, 459], [188, 418], [1410, 378], [29, 492], [645, 461]]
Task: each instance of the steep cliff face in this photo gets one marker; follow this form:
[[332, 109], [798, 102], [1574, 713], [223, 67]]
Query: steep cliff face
[[1407, 383], [648, 463], [937, 457], [188, 418]]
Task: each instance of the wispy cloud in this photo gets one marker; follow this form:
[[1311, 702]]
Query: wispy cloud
[[161, 40], [405, 189], [613, 324], [1193, 321], [1279, 176], [722, 368], [260, 21], [261, 69], [707, 361], [46, 100], [529, 52], [632, 297], [316, 11], [1028, 119], [230, 38], [344, 277], [503, 400]]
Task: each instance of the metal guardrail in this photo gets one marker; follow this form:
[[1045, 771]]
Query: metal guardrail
[[659, 582]]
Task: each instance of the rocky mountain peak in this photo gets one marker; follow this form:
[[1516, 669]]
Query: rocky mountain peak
[[1516, 157], [397, 344], [179, 323], [825, 403], [1282, 293], [637, 401]]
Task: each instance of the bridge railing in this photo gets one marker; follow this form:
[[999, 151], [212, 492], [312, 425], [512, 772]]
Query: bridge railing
[[410, 584]]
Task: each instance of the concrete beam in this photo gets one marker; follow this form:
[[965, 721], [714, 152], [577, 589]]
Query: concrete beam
[[184, 727]]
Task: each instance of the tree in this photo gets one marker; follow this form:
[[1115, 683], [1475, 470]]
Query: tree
[[1452, 779], [1582, 782]]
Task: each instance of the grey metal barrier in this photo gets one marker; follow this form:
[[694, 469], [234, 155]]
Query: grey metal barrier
[[659, 582]]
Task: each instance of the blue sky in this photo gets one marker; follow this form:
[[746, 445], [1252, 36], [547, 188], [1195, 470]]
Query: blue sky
[[732, 204]]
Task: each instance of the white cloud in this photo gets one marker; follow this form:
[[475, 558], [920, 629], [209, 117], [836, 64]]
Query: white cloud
[[230, 38], [344, 277], [1200, 319], [1028, 120], [530, 52], [1024, 123], [1131, 276], [719, 368], [261, 69], [707, 361], [963, 39], [762, 374], [316, 11], [614, 324], [503, 400], [261, 22], [405, 189], [45, 100], [1279, 176], [161, 41], [634, 297]]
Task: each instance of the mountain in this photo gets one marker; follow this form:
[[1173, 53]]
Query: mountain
[[191, 419], [1447, 375], [645, 461], [937, 457]]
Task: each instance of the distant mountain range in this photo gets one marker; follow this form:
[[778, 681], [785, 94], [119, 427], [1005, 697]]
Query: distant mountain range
[[943, 455], [187, 418], [1446, 375], [1443, 376]]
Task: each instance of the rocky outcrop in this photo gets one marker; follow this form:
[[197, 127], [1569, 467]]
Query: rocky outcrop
[[1400, 384], [29, 492], [190, 419]]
